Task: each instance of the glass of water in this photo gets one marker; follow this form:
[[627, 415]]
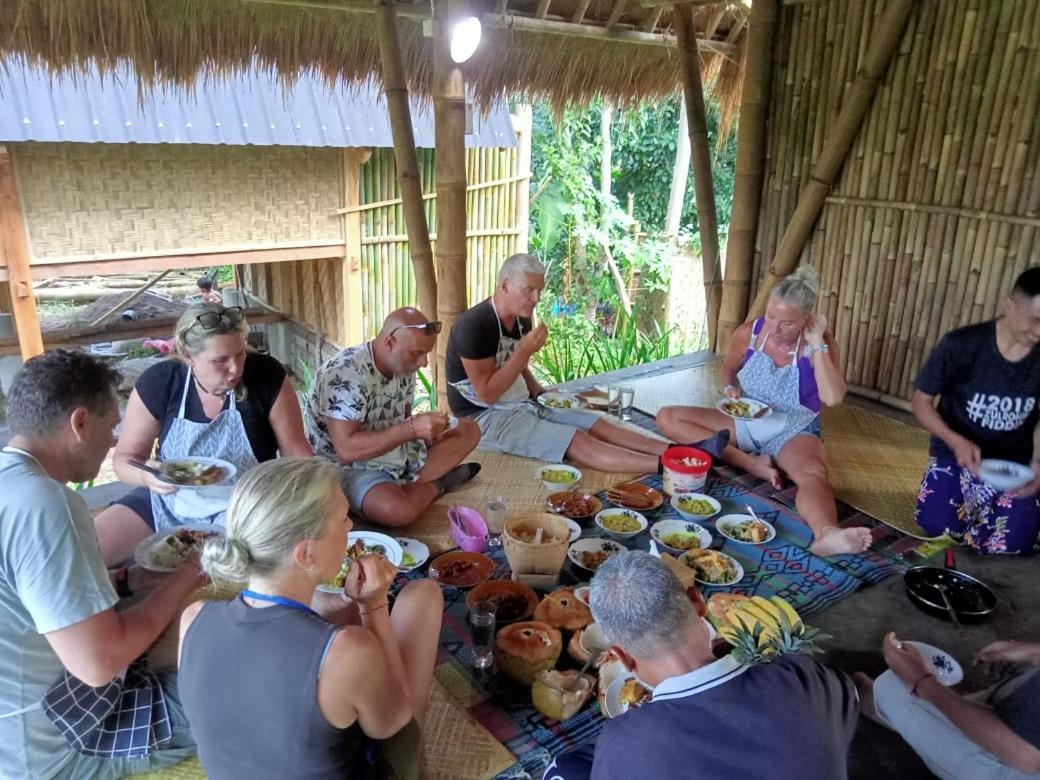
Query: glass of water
[[613, 399], [495, 512], [482, 630], [626, 397]]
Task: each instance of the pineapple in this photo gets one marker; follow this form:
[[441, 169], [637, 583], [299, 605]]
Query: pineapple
[[761, 630]]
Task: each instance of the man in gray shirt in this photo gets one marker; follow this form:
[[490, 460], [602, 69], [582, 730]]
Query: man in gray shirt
[[56, 600]]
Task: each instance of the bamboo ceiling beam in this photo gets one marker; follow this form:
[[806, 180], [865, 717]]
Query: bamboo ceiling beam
[[700, 154], [579, 11], [749, 169], [883, 44], [652, 19], [406, 158], [616, 12], [542, 9], [14, 247]]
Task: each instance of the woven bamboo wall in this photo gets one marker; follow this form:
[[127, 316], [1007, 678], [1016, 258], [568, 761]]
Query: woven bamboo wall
[[309, 291], [936, 210], [88, 199]]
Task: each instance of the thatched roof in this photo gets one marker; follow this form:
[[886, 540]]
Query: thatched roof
[[533, 48]]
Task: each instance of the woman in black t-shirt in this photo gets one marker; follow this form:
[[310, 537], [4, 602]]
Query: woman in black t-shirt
[[216, 399]]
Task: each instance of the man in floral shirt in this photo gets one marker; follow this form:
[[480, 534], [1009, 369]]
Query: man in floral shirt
[[359, 414]]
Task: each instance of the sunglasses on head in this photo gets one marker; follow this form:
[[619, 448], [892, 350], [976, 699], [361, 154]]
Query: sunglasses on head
[[211, 320], [428, 328]]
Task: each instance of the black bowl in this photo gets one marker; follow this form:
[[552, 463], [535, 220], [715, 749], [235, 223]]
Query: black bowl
[[972, 600]]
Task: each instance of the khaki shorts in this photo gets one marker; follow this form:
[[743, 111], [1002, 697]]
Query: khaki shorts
[[532, 431]]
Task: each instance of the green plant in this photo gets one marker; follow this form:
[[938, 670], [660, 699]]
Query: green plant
[[424, 401]]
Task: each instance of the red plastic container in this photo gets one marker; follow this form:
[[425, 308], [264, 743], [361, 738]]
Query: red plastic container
[[685, 469]]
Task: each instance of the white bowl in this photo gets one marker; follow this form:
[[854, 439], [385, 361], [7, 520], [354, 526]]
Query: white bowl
[[392, 551], [1005, 475], [715, 506], [418, 550], [591, 545], [947, 671], [737, 568], [557, 486], [592, 640], [616, 512], [727, 523], [663, 528], [575, 529]]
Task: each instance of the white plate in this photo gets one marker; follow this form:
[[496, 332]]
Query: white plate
[[230, 471], [201, 504], [613, 704], [149, 553], [715, 505], [756, 406], [736, 567], [1004, 475], [573, 526], [727, 523], [393, 551], [627, 513], [420, 553], [591, 545], [554, 399], [947, 671], [662, 528]]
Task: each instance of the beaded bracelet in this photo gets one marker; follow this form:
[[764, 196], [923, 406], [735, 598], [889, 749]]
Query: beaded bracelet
[[913, 691], [812, 349], [384, 605]]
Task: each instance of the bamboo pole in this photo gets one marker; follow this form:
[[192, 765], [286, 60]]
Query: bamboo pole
[[750, 166], [885, 40], [523, 174], [14, 244], [406, 157], [449, 111], [703, 185]]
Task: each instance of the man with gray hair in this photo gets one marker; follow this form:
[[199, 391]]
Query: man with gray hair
[[489, 379], [793, 718]]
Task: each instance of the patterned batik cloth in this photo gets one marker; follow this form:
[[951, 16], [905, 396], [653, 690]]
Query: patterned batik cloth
[[953, 501]]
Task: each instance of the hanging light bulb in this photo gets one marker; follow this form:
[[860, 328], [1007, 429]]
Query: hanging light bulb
[[465, 38]]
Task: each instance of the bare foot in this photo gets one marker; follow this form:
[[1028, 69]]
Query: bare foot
[[865, 686], [841, 541], [763, 467]]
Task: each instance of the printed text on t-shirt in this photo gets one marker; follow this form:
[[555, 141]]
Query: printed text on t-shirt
[[999, 413]]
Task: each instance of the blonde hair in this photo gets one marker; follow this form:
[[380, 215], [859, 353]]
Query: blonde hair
[[274, 507], [190, 337], [802, 288]]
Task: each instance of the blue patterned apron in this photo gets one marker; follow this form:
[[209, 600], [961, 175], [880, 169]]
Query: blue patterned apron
[[224, 437]]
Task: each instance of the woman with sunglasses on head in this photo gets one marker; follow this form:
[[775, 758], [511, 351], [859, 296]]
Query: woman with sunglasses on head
[[214, 399]]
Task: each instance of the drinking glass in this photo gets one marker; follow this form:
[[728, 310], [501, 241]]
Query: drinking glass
[[626, 397], [613, 399], [495, 512], [482, 630]]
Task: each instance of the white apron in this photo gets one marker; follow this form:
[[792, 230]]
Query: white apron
[[518, 393], [224, 437]]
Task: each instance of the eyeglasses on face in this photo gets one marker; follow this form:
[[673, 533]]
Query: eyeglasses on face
[[427, 328], [229, 317]]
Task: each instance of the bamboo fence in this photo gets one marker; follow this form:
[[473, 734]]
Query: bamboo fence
[[937, 207]]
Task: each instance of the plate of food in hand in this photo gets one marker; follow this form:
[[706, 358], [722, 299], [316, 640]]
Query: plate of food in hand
[[555, 399], [743, 408], [712, 567], [695, 506], [634, 495], [360, 543], [573, 504], [589, 554], [459, 569], [678, 536], [166, 550], [745, 529], [625, 692], [197, 472], [1005, 475]]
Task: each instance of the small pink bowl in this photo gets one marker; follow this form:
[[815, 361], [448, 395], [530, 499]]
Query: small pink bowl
[[473, 525]]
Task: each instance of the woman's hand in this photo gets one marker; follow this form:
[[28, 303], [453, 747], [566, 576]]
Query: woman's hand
[[1009, 651], [732, 391], [968, 455], [369, 579], [154, 484], [815, 329], [905, 660]]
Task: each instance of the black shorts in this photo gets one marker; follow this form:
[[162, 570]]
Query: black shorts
[[139, 500]]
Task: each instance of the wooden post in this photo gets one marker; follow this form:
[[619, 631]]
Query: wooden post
[[524, 127], [680, 175], [449, 118], [883, 44], [750, 168], [14, 244], [407, 159], [703, 186], [351, 324], [605, 164]]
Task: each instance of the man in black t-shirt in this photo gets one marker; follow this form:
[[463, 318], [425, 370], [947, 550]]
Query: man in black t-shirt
[[489, 379], [987, 380]]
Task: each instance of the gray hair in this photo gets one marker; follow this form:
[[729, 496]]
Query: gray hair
[[190, 337], [517, 265], [639, 604], [274, 507], [801, 289]]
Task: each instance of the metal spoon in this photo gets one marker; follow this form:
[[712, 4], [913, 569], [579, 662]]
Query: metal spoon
[[949, 604], [150, 469], [593, 657]]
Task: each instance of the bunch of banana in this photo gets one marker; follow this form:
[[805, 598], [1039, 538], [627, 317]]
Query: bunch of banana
[[762, 629]]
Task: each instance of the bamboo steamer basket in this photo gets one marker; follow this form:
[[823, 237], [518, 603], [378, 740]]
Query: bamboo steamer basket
[[529, 558]]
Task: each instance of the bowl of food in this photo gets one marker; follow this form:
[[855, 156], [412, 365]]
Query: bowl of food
[[1005, 475], [574, 504], [621, 523], [587, 555], [695, 506], [360, 543], [197, 472], [712, 567], [556, 476], [556, 399], [745, 529], [678, 536], [514, 600]]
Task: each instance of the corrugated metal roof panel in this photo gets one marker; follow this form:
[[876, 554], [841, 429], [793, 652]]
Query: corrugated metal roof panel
[[240, 110]]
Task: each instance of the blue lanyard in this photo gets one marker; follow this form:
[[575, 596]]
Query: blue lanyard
[[280, 600]]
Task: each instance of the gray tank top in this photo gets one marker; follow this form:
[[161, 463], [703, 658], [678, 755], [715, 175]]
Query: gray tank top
[[248, 681]]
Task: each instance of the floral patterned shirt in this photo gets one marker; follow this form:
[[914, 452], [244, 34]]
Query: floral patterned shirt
[[350, 387]]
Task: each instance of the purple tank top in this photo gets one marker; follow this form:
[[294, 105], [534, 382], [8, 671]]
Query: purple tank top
[[808, 392]]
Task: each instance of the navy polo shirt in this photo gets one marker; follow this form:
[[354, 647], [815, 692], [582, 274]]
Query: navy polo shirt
[[793, 718]]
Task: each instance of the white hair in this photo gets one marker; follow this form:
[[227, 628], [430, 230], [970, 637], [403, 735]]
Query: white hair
[[802, 288], [516, 266]]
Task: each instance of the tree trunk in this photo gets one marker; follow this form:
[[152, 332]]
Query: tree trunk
[[680, 174], [605, 163]]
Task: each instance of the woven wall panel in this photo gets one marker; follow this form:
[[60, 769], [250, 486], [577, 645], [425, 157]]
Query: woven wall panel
[[83, 199]]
